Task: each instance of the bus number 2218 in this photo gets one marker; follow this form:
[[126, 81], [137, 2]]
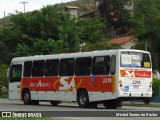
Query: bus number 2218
[[107, 80]]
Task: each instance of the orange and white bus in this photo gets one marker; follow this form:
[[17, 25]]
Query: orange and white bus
[[90, 78]]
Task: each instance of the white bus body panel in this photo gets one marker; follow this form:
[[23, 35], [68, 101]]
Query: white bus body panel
[[14, 90]]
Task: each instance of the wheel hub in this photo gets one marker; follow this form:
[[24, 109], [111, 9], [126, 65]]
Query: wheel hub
[[26, 97], [83, 99]]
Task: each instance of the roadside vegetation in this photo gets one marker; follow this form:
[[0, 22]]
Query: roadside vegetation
[[141, 104], [3, 95]]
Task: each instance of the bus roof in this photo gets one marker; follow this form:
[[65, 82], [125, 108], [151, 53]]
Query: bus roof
[[73, 55]]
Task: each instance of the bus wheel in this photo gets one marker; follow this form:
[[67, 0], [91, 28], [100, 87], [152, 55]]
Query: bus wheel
[[55, 103], [83, 99], [112, 104], [146, 100], [26, 96]]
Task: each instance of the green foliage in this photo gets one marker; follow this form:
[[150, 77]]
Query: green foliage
[[7, 43], [91, 33], [49, 31], [146, 26], [115, 15], [109, 6], [156, 87], [155, 90], [3, 76], [91, 29], [46, 31], [146, 17], [38, 47]]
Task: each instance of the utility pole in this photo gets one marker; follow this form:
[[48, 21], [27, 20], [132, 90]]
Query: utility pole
[[146, 46], [132, 8], [24, 3], [4, 19]]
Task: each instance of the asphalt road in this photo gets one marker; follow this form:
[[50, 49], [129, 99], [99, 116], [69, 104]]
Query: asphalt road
[[71, 111]]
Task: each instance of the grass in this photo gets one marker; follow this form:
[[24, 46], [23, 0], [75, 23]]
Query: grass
[[141, 104], [4, 95]]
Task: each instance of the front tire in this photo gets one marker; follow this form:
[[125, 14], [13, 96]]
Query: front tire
[[26, 96], [83, 99]]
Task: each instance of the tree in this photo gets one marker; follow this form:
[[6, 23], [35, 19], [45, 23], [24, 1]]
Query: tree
[[115, 16], [38, 47], [3, 75], [47, 31], [69, 33], [9, 39], [146, 27], [92, 33]]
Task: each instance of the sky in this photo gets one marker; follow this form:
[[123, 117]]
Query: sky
[[11, 6]]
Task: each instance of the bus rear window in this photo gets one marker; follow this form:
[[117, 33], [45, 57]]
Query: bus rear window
[[135, 59]]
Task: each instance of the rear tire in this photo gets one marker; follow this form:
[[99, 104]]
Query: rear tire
[[146, 100], [112, 104], [26, 96], [83, 99]]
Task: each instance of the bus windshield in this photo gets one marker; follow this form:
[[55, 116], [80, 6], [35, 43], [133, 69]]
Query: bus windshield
[[135, 59]]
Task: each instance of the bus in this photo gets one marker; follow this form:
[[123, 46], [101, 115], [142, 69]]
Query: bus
[[88, 78]]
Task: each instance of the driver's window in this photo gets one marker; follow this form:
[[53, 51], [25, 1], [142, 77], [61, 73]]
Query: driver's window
[[15, 73]]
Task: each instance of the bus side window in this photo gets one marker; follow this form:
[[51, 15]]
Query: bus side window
[[38, 68], [113, 65], [67, 67], [101, 65], [15, 73], [27, 69], [83, 66], [52, 67]]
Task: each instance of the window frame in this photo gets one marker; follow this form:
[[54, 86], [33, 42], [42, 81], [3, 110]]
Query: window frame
[[106, 65], [18, 79], [67, 69], [33, 70], [30, 69], [79, 70], [58, 67]]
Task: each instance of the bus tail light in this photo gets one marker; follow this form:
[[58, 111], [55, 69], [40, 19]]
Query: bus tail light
[[120, 83], [150, 84]]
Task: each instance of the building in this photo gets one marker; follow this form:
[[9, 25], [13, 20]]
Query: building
[[97, 3], [126, 42], [95, 12], [129, 5], [72, 10]]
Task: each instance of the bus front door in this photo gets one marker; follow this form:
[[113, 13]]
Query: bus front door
[[14, 81]]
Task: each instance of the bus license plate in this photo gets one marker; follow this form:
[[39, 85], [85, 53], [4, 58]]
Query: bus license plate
[[136, 87]]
